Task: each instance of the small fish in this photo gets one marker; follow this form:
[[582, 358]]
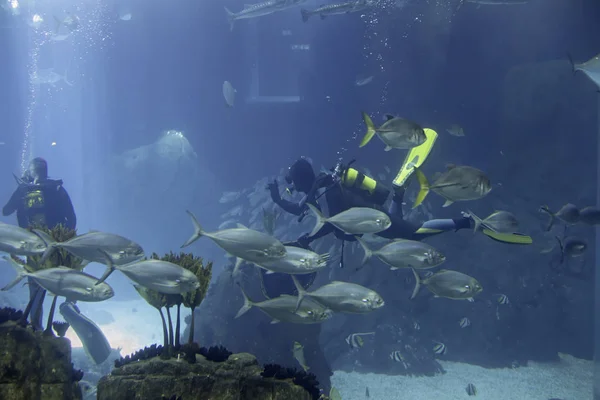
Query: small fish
[[355, 340], [569, 214], [297, 261], [64, 282], [503, 299], [343, 297], [471, 390], [458, 183], [571, 247], [464, 322], [416, 326], [404, 254], [456, 130], [498, 221], [354, 221], [125, 17], [440, 348], [298, 352], [450, 284], [362, 80], [257, 10], [395, 133], [396, 356], [335, 9], [590, 216], [229, 93]]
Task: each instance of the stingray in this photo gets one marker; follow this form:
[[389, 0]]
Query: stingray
[[591, 68]]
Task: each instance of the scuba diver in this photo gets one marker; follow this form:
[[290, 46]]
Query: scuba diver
[[40, 201], [347, 187]]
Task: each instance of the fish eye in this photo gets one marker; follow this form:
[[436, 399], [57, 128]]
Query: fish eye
[[467, 287], [309, 312], [365, 300]]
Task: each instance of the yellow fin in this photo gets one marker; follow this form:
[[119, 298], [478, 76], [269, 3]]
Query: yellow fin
[[424, 187], [370, 130]]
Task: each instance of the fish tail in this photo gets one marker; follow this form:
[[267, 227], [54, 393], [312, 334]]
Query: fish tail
[[417, 284], [476, 220], [57, 23], [247, 304], [320, 219], [562, 249], [305, 14], [110, 267], [571, 62], [230, 18], [66, 79], [424, 187], [301, 292], [236, 268], [552, 217], [18, 269], [198, 231], [370, 130], [367, 250], [48, 252]]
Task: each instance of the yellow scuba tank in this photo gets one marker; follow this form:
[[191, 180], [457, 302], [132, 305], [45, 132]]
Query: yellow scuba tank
[[366, 187]]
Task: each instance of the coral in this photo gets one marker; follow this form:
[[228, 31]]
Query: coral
[[77, 374], [306, 380], [60, 328], [142, 354], [9, 314], [215, 353], [173, 397]]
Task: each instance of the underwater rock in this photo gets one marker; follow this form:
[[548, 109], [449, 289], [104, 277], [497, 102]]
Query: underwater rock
[[156, 379], [9, 314], [36, 367]]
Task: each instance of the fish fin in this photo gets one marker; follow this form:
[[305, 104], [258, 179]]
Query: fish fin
[[305, 14], [424, 187], [470, 300], [370, 130], [367, 250], [247, 304], [198, 231], [110, 267], [275, 321], [394, 268], [562, 249], [546, 209], [448, 203], [241, 226], [57, 24], [387, 148], [269, 272], [238, 264], [389, 116], [417, 284], [476, 220], [47, 239], [230, 18], [301, 292], [67, 79], [19, 269], [320, 219], [49, 249]]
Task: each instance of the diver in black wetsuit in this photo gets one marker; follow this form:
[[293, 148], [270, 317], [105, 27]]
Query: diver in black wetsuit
[[40, 201], [347, 188]]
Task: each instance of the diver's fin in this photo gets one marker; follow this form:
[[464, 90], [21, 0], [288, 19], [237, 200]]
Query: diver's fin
[[416, 157], [511, 238]]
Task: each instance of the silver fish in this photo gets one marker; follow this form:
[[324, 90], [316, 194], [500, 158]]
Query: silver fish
[[47, 77], [282, 309], [241, 242], [404, 254], [395, 133], [498, 221], [456, 130], [161, 276], [590, 215], [458, 183], [229, 93], [343, 297], [20, 242], [354, 221], [464, 322], [298, 352], [450, 284], [335, 9], [569, 214], [260, 9], [64, 282], [297, 261]]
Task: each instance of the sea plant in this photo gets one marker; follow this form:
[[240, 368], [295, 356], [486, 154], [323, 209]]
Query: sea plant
[[158, 301], [59, 257]]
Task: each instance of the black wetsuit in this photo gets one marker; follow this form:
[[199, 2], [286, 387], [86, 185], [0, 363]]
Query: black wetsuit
[[47, 204]]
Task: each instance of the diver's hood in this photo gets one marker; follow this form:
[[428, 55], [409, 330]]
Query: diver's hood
[[45, 183]]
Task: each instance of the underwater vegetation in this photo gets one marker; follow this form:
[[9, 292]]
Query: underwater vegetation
[[307, 380], [61, 257], [187, 352], [60, 328], [190, 299], [10, 314]]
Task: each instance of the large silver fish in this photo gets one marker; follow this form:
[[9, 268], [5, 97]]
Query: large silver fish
[[161, 276], [336, 9], [450, 284], [94, 342], [297, 261], [245, 244], [354, 221], [260, 9], [47, 77], [498, 221], [343, 297], [458, 183], [121, 250], [395, 133], [20, 242], [64, 282], [405, 254], [284, 308]]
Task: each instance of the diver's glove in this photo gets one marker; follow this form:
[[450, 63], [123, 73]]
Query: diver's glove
[[273, 187]]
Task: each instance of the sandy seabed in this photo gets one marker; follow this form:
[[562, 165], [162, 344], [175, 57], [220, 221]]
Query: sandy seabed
[[568, 379]]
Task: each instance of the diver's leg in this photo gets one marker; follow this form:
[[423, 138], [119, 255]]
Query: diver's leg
[[437, 226], [395, 208]]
